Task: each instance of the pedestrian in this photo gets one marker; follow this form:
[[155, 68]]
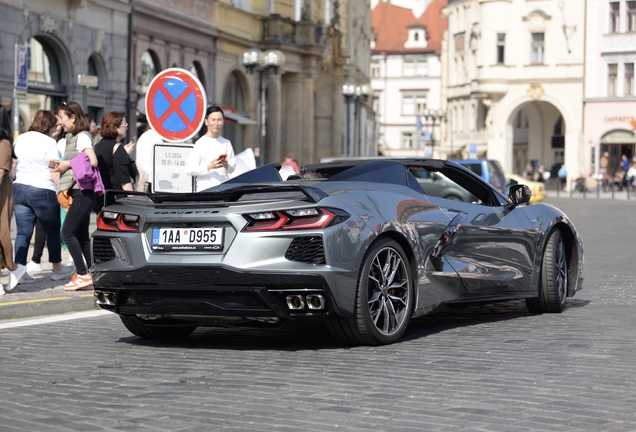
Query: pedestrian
[[6, 195], [528, 173], [624, 163], [35, 195], [79, 201], [144, 157], [542, 175], [40, 236], [117, 169], [212, 159], [257, 157], [563, 176], [291, 162], [92, 125]]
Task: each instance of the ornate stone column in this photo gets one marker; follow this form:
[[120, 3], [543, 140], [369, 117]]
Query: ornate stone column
[[272, 151], [308, 119], [337, 128], [294, 114]]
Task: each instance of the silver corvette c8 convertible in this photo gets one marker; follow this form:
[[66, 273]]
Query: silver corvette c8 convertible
[[362, 246]]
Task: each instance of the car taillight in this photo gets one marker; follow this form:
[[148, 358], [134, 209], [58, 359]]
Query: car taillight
[[297, 219], [112, 221]]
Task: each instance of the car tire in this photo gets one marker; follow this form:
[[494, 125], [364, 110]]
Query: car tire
[[140, 328], [554, 277], [384, 298]]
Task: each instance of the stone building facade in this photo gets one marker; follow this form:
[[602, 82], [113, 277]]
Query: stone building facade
[[610, 96], [406, 77], [127, 42], [66, 38], [325, 43], [513, 87]]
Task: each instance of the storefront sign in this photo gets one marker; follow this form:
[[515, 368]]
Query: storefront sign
[[618, 119]]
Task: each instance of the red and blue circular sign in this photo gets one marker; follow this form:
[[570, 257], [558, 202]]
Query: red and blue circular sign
[[175, 104]]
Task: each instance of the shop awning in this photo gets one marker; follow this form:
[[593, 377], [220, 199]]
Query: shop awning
[[232, 115]]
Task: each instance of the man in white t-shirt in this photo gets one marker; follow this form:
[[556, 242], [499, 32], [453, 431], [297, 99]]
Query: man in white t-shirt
[[212, 159]]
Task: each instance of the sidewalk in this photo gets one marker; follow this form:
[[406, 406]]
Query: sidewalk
[[45, 296]]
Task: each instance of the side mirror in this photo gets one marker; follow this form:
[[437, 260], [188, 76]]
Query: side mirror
[[520, 194]]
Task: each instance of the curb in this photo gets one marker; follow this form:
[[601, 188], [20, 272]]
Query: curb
[[35, 307]]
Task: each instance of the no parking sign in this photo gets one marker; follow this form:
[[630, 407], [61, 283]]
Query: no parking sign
[[175, 104]]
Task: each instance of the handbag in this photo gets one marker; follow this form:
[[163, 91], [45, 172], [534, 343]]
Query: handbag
[[65, 198]]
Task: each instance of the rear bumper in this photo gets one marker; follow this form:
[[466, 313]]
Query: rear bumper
[[210, 293]]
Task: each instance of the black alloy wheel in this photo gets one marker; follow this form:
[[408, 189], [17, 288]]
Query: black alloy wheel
[[553, 290], [384, 298]]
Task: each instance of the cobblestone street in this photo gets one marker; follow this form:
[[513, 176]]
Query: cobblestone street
[[485, 368]]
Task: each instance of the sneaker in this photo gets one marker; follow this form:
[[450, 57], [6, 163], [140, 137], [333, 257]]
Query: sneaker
[[62, 273], [2, 290], [26, 279], [16, 275], [79, 282], [32, 266]]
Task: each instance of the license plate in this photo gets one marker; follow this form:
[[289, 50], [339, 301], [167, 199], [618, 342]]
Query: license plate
[[187, 239]]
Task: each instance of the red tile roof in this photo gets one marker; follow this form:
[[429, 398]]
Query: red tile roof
[[391, 27]]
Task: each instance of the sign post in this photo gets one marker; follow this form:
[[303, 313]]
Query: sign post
[[20, 84], [169, 165], [176, 104], [86, 81], [175, 109]]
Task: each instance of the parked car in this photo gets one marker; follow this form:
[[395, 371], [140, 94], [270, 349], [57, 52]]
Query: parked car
[[357, 245], [436, 184], [488, 169], [537, 188]]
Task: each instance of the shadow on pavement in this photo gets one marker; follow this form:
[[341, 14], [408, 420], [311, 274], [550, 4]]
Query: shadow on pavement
[[316, 337]]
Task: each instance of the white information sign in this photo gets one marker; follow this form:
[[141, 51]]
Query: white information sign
[[169, 168]]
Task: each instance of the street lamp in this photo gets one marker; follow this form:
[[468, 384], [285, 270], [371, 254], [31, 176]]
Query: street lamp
[[256, 62], [433, 115]]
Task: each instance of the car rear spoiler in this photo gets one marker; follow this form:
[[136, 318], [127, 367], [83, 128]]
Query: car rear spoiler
[[313, 194]]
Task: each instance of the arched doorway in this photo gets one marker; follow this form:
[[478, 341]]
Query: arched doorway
[[46, 87], [614, 145], [234, 98], [537, 136], [96, 68], [148, 67]]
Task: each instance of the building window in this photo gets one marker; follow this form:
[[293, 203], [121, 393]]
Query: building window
[[538, 44], [376, 104], [611, 79], [407, 140], [413, 103], [629, 79], [501, 44], [414, 67], [614, 17], [375, 68], [631, 16]]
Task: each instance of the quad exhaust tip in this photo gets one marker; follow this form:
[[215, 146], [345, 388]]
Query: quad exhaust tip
[[298, 302], [105, 298]]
